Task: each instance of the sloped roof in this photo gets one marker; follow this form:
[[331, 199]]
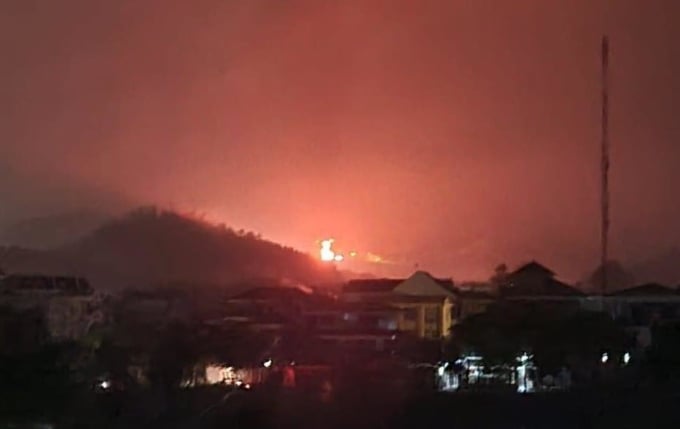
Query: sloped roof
[[423, 283], [648, 289], [371, 285], [402, 298], [533, 267], [445, 283], [549, 288]]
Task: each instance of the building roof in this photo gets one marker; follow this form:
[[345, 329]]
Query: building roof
[[398, 298], [648, 289], [533, 267], [445, 283], [549, 288], [371, 285], [389, 285]]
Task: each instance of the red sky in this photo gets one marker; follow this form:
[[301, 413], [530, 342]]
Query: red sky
[[452, 134]]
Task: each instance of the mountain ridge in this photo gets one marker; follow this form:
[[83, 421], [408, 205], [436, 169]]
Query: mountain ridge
[[149, 247]]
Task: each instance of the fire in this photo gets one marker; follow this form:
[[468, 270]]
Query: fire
[[327, 254]]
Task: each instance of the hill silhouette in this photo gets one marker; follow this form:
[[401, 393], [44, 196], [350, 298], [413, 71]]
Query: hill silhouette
[[150, 247]]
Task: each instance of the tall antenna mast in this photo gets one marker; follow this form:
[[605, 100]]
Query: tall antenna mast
[[604, 162]]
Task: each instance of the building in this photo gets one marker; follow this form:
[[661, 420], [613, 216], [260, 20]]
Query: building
[[473, 301], [534, 283], [640, 308], [425, 304], [68, 305]]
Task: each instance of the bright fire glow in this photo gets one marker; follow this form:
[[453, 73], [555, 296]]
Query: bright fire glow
[[327, 254]]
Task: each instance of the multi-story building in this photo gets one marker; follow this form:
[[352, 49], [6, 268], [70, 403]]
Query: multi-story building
[[423, 305]]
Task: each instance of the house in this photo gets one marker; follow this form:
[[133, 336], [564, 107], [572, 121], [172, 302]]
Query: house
[[535, 282], [425, 303], [68, 304]]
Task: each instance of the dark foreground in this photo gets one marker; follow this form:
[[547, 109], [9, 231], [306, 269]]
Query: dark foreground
[[365, 408]]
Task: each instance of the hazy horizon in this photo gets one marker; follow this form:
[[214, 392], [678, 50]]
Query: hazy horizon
[[453, 135]]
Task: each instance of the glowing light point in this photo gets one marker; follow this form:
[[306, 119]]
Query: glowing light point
[[626, 358], [605, 357], [327, 254], [267, 363]]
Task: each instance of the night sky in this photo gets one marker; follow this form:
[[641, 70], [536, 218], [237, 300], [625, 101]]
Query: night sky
[[451, 134]]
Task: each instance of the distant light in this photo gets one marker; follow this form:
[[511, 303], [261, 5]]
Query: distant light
[[105, 384], [246, 386], [626, 358], [338, 258], [267, 363], [440, 370], [605, 357], [352, 254]]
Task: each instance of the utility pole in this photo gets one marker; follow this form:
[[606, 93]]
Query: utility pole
[[604, 163]]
